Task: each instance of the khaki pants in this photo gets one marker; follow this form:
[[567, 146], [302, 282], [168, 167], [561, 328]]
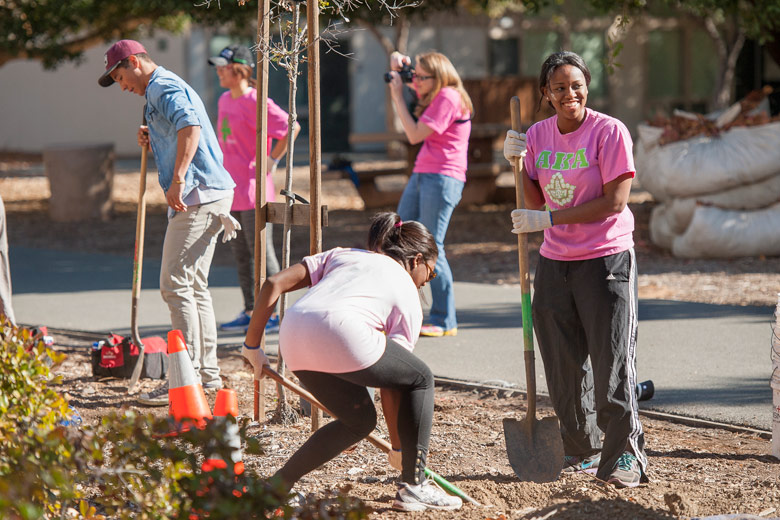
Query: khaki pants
[[184, 277]]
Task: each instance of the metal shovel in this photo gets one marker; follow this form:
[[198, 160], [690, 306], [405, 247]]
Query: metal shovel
[[534, 447]]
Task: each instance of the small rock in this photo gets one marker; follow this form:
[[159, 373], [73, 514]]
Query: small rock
[[679, 505], [354, 471]]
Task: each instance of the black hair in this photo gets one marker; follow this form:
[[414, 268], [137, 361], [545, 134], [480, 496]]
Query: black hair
[[399, 240], [559, 59]]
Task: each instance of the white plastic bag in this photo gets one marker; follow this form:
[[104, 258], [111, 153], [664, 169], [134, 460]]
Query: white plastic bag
[[705, 165], [720, 233]]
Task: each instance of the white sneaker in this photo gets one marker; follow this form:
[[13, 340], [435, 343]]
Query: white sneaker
[[424, 496]]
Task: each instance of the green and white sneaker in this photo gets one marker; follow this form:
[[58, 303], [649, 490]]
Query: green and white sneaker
[[627, 474], [577, 464]]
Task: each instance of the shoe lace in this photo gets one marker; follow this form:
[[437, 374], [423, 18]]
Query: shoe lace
[[626, 461], [160, 390]]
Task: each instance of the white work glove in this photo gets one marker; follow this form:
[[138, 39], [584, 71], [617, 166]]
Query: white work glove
[[514, 146], [394, 459], [231, 225], [274, 165], [256, 358], [530, 220]]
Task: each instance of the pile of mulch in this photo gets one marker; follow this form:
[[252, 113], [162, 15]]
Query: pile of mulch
[[693, 471]]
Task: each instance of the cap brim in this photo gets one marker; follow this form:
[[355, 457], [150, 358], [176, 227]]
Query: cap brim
[[219, 61], [106, 80]]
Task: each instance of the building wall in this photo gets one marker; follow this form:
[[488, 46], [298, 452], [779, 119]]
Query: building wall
[[66, 105]]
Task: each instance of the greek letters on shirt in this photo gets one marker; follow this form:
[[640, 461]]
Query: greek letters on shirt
[[224, 129], [560, 191]]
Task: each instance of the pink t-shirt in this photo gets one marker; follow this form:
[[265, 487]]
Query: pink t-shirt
[[356, 301], [445, 151], [236, 131], [572, 169]]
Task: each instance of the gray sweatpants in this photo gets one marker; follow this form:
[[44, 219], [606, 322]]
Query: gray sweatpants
[[585, 318], [243, 247]]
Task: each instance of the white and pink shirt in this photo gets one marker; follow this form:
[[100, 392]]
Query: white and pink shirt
[[572, 169], [236, 131], [445, 151], [357, 301]]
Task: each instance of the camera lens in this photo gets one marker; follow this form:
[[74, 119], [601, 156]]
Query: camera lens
[[645, 390], [388, 77]]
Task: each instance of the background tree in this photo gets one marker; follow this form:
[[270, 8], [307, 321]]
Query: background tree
[[729, 23], [54, 31]]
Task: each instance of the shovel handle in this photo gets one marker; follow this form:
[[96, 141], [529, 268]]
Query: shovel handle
[[373, 439], [138, 260], [525, 279]]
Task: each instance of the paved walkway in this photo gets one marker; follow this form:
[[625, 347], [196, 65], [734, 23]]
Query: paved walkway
[[707, 361]]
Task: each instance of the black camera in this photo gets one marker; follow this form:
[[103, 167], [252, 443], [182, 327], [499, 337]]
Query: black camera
[[406, 73], [645, 390]]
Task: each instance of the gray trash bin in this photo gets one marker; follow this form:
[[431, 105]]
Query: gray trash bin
[[81, 177]]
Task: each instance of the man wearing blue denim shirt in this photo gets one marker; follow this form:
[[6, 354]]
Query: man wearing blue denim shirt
[[199, 192]]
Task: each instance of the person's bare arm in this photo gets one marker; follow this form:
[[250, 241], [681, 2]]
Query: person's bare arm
[[613, 201], [391, 402], [291, 279]]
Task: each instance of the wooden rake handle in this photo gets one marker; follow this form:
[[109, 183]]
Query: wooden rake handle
[[373, 439]]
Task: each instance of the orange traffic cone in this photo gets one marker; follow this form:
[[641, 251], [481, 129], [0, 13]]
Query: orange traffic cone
[[186, 398], [226, 405]]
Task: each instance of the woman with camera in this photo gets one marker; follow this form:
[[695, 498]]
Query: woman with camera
[[442, 122], [356, 327]]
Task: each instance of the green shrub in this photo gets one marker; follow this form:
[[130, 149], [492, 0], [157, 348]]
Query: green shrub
[[124, 467]]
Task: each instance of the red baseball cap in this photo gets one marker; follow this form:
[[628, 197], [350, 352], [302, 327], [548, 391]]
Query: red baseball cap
[[119, 51]]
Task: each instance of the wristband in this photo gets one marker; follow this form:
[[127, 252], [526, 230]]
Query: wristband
[[276, 161], [551, 219], [250, 348], [177, 182]]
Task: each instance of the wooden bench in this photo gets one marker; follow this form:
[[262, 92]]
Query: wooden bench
[[480, 176]]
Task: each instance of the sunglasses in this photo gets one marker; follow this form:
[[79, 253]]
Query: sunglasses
[[431, 273], [418, 77]]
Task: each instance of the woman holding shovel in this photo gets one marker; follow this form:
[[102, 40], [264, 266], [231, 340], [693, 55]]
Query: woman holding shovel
[[236, 130], [355, 328], [579, 164]]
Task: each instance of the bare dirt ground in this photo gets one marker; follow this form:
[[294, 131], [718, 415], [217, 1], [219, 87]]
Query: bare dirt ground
[[694, 471]]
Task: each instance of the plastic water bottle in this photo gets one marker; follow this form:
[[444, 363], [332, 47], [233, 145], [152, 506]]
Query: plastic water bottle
[[775, 382]]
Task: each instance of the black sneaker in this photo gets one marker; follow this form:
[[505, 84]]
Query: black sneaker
[[627, 473], [577, 464], [157, 397]]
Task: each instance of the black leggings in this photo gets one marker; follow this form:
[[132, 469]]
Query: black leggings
[[347, 397]]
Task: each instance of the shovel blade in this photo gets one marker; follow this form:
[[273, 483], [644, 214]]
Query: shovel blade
[[534, 448]]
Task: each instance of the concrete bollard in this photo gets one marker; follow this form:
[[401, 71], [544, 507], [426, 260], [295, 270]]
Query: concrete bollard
[[81, 177]]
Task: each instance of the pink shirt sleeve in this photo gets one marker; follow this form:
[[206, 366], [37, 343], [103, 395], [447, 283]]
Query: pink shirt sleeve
[[442, 111], [277, 121], [615, 157], [316, 265]]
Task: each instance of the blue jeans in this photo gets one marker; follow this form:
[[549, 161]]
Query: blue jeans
[[430, 198]]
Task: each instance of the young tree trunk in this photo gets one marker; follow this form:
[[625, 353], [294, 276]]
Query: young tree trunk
[[728, 53]]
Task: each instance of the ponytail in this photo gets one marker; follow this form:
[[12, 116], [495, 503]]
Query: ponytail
[[401, 241]]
